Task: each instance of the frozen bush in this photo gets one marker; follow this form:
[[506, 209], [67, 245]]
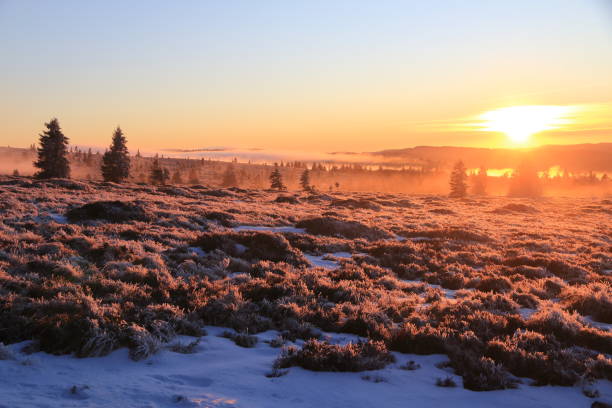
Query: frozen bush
[[494, 284], [5, 353], [515, 208], [225, 219], [241, 339], [540, 357], [98, 342], [286, 199], [594, 299], [336, 227], [189, 348], [112, 211], [480, 373], [142, 344], [447, 382], [355, 204], [419, 340], [410, 366], [526, 300], [321, 356], [253, 246], [552, 319], [452, 233]]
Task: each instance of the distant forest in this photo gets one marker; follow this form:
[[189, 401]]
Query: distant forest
[[438, 170], [324, 177]]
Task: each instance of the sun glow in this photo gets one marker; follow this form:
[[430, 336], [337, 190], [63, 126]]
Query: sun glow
[[519, 123]]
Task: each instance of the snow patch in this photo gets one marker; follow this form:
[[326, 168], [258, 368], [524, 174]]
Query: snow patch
[[273, 229], [50, 216], [320, 262], [221, 374], [198, 251], [599, 325], [346, 255], [526, 312]]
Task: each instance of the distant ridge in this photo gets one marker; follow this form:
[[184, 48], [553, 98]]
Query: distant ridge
[[577, 157]]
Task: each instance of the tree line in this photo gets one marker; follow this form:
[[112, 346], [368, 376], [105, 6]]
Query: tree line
[[524, 181], [115, 166], [52, 162]]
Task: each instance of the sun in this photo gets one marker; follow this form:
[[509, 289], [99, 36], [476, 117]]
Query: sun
[[519, 123]]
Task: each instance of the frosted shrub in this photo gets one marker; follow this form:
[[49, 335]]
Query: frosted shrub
[[142, 344], [98, 343], [5, 353], [322, 356]]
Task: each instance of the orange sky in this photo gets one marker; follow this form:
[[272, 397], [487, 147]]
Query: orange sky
[[322, 76]]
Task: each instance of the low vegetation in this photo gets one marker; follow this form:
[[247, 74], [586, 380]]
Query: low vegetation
[[88, 267], [321, 356]]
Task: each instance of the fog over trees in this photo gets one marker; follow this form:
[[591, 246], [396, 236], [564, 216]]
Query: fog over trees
[[458, 181], [54, 158], [276, 180]]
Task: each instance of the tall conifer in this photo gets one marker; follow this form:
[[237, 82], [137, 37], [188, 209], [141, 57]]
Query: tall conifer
[[53, 153], [116, 160]]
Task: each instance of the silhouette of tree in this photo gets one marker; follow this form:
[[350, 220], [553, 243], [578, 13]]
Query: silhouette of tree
[[276, 179], [525, 182], [116, 161], [89, 157], [480, 182], [229, 177], [458, 181], [305, 180], [53, 153], [158, 175], [193, 176], [177, 178]]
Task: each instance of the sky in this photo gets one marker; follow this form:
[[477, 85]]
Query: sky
[[309, 76]]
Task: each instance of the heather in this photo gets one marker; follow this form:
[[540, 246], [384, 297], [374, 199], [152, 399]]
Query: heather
[[506, 288]]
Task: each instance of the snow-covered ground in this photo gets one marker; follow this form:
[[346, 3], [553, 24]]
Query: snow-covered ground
[[221, 374], [324, 261], [273, 229]]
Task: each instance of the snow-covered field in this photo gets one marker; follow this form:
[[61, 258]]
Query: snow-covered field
[[221, 374], [485, 291]]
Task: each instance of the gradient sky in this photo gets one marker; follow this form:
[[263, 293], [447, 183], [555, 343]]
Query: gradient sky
[[312, 75]]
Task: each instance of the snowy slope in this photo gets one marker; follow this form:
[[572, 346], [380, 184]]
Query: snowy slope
[[221, 374]]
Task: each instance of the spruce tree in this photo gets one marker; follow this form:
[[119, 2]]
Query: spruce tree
[[53, 153], [480, 182], [157, 174], [276, 180], [305, 180], [458, 180], [116, 160], [525, 182], [229, 177], [89, 157], [193, 176], [177, 178]]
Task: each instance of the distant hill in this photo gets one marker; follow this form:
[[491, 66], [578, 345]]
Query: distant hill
[[578, 157]]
